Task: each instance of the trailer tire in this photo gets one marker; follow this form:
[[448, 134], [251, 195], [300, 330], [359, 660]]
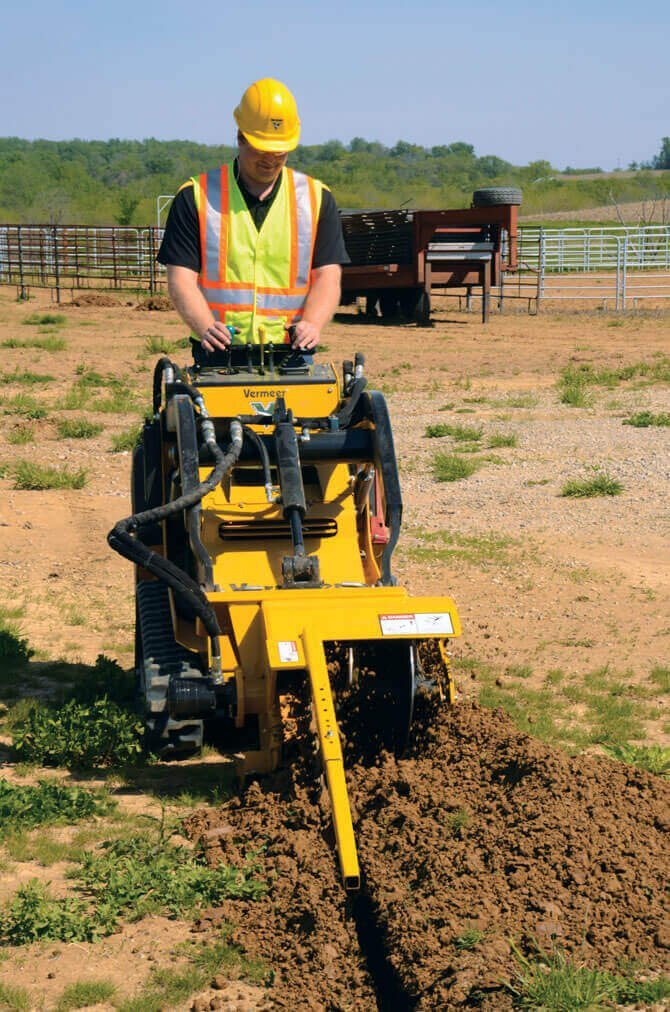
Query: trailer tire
[[495, 196], [422, 310]]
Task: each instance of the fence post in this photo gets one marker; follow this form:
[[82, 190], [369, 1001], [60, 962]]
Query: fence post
[[624, 271], [56, 263], [23, 294], [540, 268], [152, 262]]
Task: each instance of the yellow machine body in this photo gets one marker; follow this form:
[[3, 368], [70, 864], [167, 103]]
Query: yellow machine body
[[269, 629]]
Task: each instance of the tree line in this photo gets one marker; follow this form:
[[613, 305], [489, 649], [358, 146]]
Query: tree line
[[117, 181]]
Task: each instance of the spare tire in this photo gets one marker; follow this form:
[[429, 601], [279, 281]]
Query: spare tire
[[493, 196]]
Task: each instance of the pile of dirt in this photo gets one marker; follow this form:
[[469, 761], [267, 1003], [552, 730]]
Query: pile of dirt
[[156, 303], [481, 837], [301, 928], [485, 835], [96, 299]]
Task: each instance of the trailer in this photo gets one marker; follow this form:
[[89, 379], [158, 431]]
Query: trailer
[[399, 257]]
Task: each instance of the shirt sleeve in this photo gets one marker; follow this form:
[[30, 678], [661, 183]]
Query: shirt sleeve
[[329, 245], [181, 242]]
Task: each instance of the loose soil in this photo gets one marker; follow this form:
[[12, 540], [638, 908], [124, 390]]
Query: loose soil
[[481, 827]]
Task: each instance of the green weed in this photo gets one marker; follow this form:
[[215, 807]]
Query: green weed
[[78, 734], [46, 343], [21, 435], [468, 940], [39, 477], [461, 433], [14, 999], [156, 344], [660, 676], [550, 981], [500, 440], [482, 550], [652, 758], [168, 988], [47, 802], [575, 380], [45, 319], [13, 648], [126, 441], [25, 406], [78, 428], [517, 401], [25, 378], [451, 467], [81, 994], [645, 419], [598, 485], [459, 821]]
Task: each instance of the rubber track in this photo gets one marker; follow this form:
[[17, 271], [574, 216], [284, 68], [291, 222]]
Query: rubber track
[[163, 657]]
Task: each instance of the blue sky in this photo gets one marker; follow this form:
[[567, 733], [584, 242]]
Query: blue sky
[[578, 84]]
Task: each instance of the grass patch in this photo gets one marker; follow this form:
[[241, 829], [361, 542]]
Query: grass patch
[[652, 758], [39, 477], [125, 879], [484, 550], [13, 648], [14, 999], [550, 981], [45, 320], [501, 440], [25, 378], [81, 994], [49, 342], [167, 988], [451, 467], [91, 735], [459, 821], [126, 441], [21, 435], [78, 428], [645, 419], [574, 381], [516, 401], [157, 344], [461, 433], [600, 484], [468, 940], [25, 406], [661, 677], [46, 803]]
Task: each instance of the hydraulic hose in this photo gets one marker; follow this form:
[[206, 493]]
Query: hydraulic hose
[[121, 538], [265, 459]]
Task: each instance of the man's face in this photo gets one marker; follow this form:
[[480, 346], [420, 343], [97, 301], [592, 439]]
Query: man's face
[[261, 167]]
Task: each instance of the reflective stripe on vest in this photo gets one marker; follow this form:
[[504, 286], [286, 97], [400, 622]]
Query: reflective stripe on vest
[[251, 276]]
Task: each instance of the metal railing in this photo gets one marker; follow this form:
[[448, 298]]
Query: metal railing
[[80, 256], [615, 266]]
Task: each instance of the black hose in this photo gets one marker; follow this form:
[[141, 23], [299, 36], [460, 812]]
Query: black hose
[[122, 540], [263, 454]]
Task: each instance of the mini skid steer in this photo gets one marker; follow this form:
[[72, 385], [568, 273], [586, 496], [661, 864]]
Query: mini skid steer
[[266, 509]]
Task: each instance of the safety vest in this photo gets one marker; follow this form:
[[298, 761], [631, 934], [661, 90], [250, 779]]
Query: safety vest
[[253, 276]]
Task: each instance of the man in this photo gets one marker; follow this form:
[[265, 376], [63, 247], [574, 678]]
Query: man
[[255, 243]]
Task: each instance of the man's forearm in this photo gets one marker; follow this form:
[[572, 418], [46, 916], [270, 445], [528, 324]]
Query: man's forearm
[[189, 302], [324, 295]]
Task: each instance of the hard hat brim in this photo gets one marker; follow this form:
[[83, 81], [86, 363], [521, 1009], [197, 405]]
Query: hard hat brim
[[276, 145]]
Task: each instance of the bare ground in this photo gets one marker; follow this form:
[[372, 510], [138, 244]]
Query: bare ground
[[554, 594]]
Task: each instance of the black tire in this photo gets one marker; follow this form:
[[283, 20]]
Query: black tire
[[422, 310], [495, 196], [388, 304]]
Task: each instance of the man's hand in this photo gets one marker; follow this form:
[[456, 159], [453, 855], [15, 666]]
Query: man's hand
[[216, 337], [305, 335]]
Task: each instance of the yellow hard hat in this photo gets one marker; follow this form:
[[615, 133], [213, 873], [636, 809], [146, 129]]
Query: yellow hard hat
[[268, 117]]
